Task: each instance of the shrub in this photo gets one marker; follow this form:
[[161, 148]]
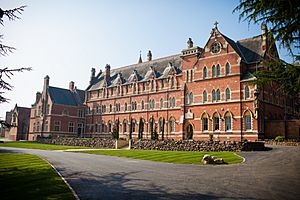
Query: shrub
[[280, 138], [244, 140]]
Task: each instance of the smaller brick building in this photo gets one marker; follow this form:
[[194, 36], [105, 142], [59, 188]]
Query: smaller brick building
[[57, 111], [19, 118]]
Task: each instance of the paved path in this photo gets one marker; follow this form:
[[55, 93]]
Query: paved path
[[271, 174]]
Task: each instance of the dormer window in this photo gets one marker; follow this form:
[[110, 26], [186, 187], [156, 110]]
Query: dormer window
[[215, 47]]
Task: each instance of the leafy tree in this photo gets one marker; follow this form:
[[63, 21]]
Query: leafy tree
[[6, 72], [282, 16]]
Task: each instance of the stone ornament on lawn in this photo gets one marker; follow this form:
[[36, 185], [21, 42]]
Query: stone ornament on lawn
[[208, 159]]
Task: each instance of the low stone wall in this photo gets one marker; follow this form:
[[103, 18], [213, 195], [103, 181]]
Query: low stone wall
[[185, 145], [88, 142], [283, 143]]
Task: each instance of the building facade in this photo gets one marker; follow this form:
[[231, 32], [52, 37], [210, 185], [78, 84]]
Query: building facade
[[57, 112], [197, 94], [19, 120]]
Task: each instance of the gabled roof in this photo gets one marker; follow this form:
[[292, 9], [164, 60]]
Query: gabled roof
[[139, 71], [251, 48], [66, 96]]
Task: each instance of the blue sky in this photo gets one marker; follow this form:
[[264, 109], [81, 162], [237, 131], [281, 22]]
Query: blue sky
[[66, 38]]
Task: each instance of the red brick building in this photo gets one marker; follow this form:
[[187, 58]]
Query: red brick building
[[57, 111], [19, 119], [198, 93]]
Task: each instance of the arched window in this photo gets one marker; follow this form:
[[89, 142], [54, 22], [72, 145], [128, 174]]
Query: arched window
[[133, 126], [227, 94], [204, 96], [247, 92], [125, 107], [174, 102], [227, 121], [172, 125], [191, 98], [204, 73], [143, 105], [216, 122], [248, 121], [124, 126], [161, 103], [218, 95], [110, 108], [170, 102], [109, 127], [214, 95], [204, 122], [213, 71], [218, 70], [227, 69], [162, 83]]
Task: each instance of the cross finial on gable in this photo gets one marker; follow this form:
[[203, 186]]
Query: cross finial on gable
[[216, 24]]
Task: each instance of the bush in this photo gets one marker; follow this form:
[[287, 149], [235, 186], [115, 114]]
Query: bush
[[244, 140], [280, 138]]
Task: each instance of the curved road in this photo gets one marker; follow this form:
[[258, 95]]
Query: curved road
[[273, 174]]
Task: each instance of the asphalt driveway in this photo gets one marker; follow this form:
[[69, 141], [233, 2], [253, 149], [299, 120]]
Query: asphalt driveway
[[273, 174]]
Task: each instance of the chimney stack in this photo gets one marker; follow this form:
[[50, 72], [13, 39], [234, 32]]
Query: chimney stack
[[71, 86], [264, 32], [190, 43], [107, 72], [46, 83], [93, 72], [149, 56]]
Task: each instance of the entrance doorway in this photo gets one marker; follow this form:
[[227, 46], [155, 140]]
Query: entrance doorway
[[188, 133]]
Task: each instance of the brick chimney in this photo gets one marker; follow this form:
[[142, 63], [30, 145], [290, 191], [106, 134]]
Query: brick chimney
[[107, 72], [71, 86], [149, 56], [264, 33], [46, 84], [93, 72]]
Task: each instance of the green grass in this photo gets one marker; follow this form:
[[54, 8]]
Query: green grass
[[25, 176], [177, 157], [36, 145]]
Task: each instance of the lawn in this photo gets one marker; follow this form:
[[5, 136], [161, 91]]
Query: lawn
[[25, 176], [177, 157], [36, 145]]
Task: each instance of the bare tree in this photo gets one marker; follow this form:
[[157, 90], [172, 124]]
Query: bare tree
[[6, 72]]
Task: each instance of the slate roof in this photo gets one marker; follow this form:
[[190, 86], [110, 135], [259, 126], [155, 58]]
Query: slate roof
[[66, 96], [249, 49], [139, 72]]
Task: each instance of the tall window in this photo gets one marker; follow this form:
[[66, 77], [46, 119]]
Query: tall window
[[153, 104], [110, 108], [161, 103], [143, 105], [125, 107], [248, 124], [174, 102], [47, 109], [133, 126], [216, 122], [38, 126], [152, 84], [71, 127], [172, 82], [191, 75], [247, 92], [162, 83], [134, 88], [124, 126], [227, 94], [56, 125], [191, 98], [204, 96], [227, 69], [80, 113], [213, 71], [46, 125], [187, 76], [172, 125], [205, 123], [109, 127], [227, 121], [144, 86], [33, 127], [126, 89], [204, 73], [170, 102], [213, 95], [218, 70], [218, 95]]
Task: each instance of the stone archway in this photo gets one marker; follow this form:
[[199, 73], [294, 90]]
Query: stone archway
[[188, 132], [141, 128]]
